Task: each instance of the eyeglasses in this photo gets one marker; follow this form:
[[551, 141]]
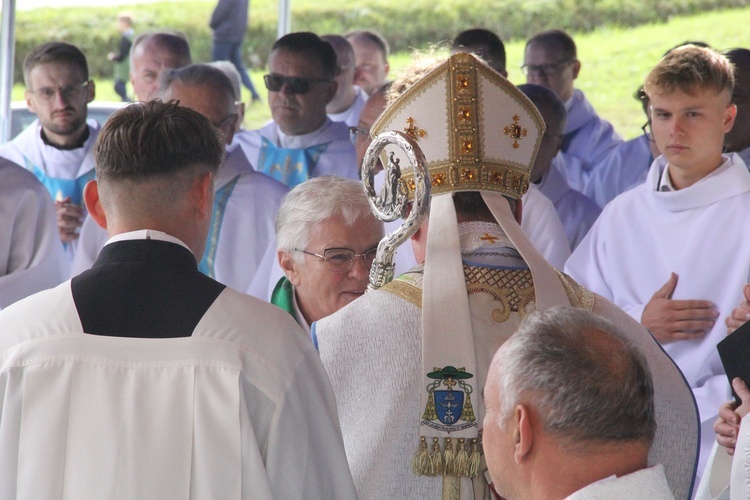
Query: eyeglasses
[[354, 132], [646, 128], [545, 69], [295, 84], [223, 122], [68, 92], [341, 260]]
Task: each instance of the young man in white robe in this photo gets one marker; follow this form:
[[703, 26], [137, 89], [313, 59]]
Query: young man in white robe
[[31, 256], [660, 251], [57, 146], [143, 378], [551, 60], [301, 141], [480, 276], [241, 248], [570, 412]]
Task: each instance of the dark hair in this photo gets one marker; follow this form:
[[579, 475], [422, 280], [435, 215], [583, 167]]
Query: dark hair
[[174, 41], [471, 206], [304, 42], [372, 37], [155, 139], [479, 36], [557, 39], [54, 52], [199, 75], [538, 94]]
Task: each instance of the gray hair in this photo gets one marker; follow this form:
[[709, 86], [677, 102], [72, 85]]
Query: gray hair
[[228, 69], [313, 202], [174, 41], [586, 379], [198, 75]]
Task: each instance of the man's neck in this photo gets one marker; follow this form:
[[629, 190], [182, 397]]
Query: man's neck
[[682, 178], [342, 104], [66, 142]]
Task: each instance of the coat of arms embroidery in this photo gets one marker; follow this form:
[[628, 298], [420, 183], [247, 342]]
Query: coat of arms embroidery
[[449, 409]]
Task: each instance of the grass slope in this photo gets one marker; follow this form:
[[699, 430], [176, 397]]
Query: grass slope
[[614, 62]]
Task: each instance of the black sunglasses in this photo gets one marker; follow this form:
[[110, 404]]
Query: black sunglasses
[[295, 85]]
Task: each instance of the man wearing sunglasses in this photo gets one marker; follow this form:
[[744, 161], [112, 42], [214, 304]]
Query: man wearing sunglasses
[[550, 60], [301, 141], [57, 146], [242, 248]]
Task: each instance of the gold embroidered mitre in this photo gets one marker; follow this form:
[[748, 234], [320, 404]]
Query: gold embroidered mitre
[[476, 129]]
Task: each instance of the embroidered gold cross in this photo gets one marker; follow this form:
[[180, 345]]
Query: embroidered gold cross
[[489, 237], [515, 131], [413, 131]]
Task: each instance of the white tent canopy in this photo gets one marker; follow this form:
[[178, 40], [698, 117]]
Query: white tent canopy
[[8, 49]]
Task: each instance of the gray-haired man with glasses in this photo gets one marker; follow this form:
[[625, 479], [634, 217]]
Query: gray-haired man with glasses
[[56, 147], [301, 142], [551, 60]]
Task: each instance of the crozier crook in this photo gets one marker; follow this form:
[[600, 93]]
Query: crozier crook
[[391, 203]]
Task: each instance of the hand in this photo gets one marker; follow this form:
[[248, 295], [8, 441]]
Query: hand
[[740, 314], [727, 426], [69, 219], [671, 320], [111, 56]]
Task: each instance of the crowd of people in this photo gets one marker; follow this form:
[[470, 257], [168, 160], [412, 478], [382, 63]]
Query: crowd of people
[[184, 304]]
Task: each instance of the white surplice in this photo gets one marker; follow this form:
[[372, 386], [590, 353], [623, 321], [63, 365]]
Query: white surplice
[[31, 255], [240, 409], [647, 483], [701, 233]]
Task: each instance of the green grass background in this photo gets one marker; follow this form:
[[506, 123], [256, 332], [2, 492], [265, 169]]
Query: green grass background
[[614, 61]]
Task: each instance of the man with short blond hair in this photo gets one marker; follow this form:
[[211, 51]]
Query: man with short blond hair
[[660, 251]]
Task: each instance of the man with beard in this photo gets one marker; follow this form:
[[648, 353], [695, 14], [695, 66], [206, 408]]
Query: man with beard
[[56, 147]]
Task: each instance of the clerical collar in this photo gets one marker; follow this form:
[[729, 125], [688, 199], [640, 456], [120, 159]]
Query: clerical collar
[[300, 141], [146, 234], [84, 137]]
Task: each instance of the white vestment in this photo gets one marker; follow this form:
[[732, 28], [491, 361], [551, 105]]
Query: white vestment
[[645, 484], [586, 142], [372, 350], [350, 115], [63, 172], [576, 211], [31, 255], [701, 233], [624, 167], [727, 477], [330, 150], [240, 409], [241, 247]]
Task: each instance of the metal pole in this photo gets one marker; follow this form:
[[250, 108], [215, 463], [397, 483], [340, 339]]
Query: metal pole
[[7, 57], [285, 18]]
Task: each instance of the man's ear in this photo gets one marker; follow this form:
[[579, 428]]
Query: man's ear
[[94, 204], [92, 91], [29, 101], [576, 68], [522, 434], [729, 117], [333, 86], [289, 266], [202, 195]]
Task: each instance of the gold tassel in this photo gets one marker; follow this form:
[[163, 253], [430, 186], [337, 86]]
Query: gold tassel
[[475, 459], [436, 459], [420, 464], [449, 468], [462, 459]]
